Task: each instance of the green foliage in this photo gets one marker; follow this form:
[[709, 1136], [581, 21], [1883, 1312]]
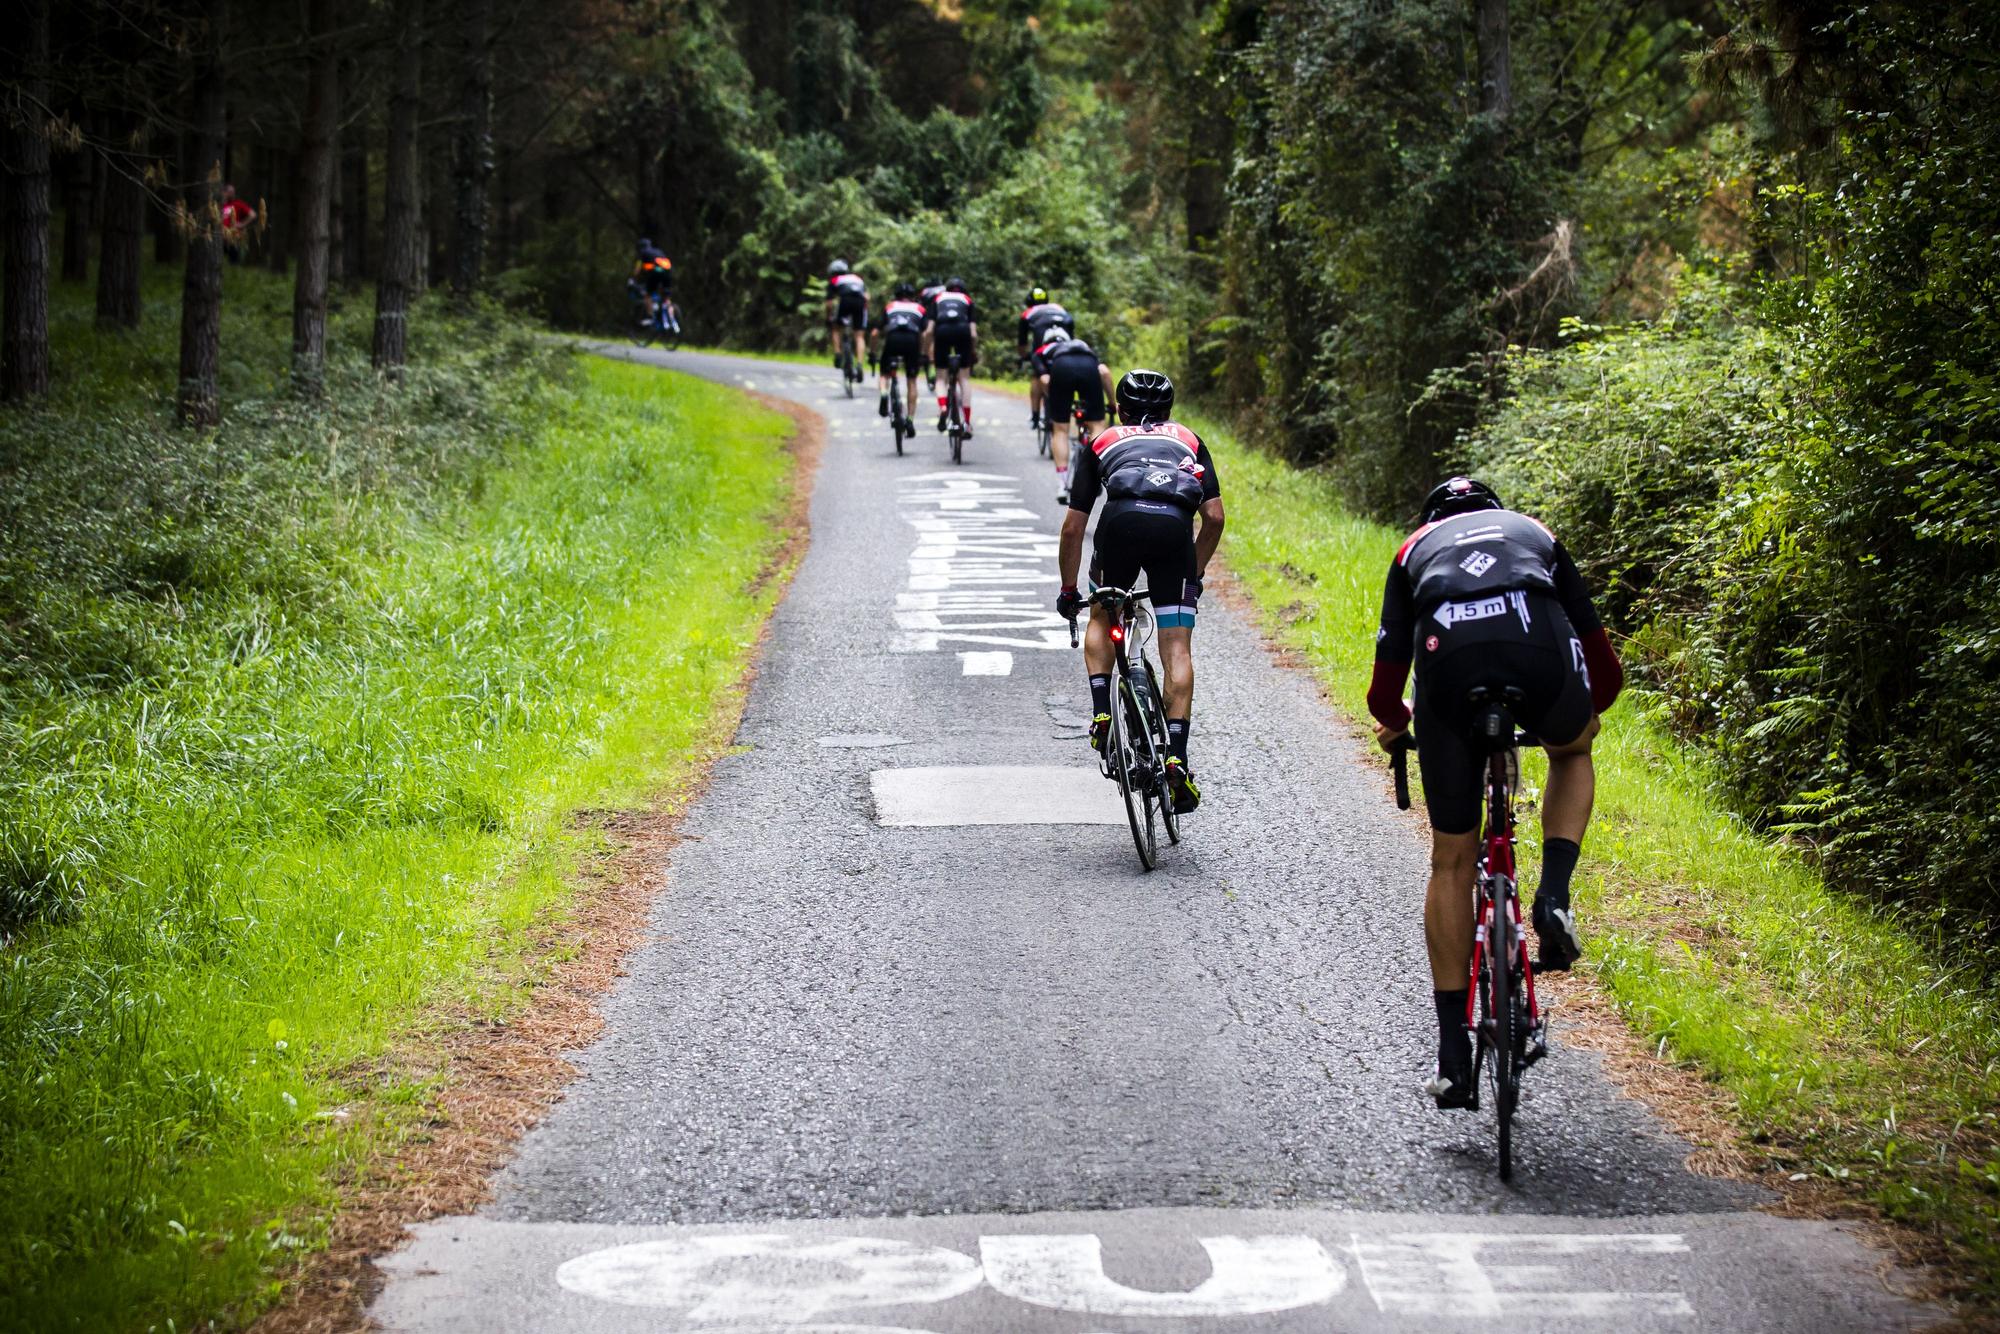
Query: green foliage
[[367, 659]]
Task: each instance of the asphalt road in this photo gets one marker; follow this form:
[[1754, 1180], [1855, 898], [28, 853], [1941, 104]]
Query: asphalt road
[[894, 1061]]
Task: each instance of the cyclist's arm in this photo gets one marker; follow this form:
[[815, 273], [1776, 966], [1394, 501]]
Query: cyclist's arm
[[1395, 645], [1607, 674], [1069, 553], [1210, 535]]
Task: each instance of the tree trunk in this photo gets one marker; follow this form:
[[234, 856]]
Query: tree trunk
[[78, 204], [118, 303], [24, 324], [199, 402], [165, 213], [1496, 60], [401, 202], [354, 203], [316, 203], [472, 156]]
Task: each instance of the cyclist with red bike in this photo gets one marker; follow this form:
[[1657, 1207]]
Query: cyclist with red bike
[[1482, 596]]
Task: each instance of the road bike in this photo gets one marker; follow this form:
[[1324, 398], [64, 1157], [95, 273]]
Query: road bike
[[954, 410], [1044, 434], [659, 318], [849, 364], [1135, 749], [899, 420], [1508, 1028]]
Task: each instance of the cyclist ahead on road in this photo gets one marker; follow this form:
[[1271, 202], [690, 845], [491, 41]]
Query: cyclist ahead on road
[[1156, 477], [1482, 596], [846, 308], [1068, 370], [900, 337], [653, 274], [954, 327], [1041, 318]]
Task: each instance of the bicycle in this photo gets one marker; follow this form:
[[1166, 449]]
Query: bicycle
[[954, 410], [1044, 434], [850, 367], [1509, 1026], [1135, 749], [899, 420], [659, 319]]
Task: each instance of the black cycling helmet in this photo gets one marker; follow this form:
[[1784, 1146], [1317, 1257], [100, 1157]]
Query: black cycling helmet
[[1037, 295], [1460, 495], [1144, 397], [905, 291], [835, 269], [954, 284], [645, 244]]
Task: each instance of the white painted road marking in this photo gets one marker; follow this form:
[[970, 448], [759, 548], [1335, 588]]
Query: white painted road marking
[[982, 569], [1248, 1276], [994, 794], [1439, 1273], [769, 1277], [999, 663]]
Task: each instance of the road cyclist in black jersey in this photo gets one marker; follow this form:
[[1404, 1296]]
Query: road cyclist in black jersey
[[1039, 319], [1069, 372], [953, 330], [1487, 603], [652, 287], [847, 320], [928, 295], [1157, 479], [898, 340]]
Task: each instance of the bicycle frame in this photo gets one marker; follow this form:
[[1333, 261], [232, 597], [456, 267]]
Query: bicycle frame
[[1496, 867], [1131, 626]]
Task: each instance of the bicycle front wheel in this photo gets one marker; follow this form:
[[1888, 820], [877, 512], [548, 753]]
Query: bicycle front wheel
[[1123, 761]]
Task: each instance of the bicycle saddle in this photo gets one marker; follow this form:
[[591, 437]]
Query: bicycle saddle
[[1493, 715]]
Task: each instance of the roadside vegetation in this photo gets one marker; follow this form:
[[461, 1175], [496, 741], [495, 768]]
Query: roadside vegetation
[[296, 712], [1860, 1053]]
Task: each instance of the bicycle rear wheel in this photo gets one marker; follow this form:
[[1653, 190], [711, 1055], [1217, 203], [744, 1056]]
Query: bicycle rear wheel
[[1502, 946], [847, 372], [1138, 813]]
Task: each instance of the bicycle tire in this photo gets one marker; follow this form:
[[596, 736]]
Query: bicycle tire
[[955, 421], [1502, 947], [1136, 815], [1156, 742], [847, 372], [1044, 439]]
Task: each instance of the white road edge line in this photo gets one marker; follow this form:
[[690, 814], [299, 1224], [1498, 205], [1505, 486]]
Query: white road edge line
[[997, 663]]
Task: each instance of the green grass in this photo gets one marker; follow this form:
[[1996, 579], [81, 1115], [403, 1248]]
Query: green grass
[[1850, 1054], [333, 802]]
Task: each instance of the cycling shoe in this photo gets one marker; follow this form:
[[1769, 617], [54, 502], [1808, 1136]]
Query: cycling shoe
[[1555, 929], [1452, 1087], [1181, 786]]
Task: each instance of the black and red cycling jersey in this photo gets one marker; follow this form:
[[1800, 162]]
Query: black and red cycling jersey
[[846, 288], [1158, 466], [902, 316], [1036, 321], [1457, 581], [951, 311], [1045, 355]]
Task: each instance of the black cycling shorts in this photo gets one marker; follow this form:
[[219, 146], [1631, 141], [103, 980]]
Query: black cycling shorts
[[904, 348], [852, 312], [944, 342], [1074, 380], [1158, 542], [1544, 660]]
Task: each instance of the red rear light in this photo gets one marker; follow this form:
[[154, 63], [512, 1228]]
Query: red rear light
[[1118, 632]]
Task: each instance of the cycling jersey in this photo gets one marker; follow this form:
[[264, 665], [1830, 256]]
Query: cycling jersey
[[654, 271], [846, 287], [951, 311], [901, 315], [1044, 355], [1163, 467], [1071, 366], [902, 336], [1036, 321]]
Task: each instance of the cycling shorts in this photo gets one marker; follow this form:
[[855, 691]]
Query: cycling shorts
[[852, 311], [1539, 654], [1074, 380], [946, 341], [904, 348], [1158, 542]]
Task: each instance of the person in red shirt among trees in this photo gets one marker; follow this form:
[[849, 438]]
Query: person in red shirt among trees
[[236, 219], [1482, 596]]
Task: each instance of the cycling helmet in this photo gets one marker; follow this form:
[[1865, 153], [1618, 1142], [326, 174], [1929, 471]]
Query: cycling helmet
[[905, 291], [835, 269], [1037, 295], [1145, 397], [1460, 495], [645, 244], [954, 284]]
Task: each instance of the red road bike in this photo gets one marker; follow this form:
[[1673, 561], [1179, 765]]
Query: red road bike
[[1502, 1014]]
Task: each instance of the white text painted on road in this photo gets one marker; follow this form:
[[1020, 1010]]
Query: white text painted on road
[[1439, 1273], [1248, 1276], [998, 662], [982, 569]]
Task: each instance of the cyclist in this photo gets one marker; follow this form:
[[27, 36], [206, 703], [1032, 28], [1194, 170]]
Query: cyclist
[[846, 308], [1037, 320], [653, 276], [900, 338], [1156, 477], [1481, 595], [954, 327], [1067, 370], [929, 296]]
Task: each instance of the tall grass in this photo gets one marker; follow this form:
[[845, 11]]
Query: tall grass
[[313, 786], [1851, 1053]]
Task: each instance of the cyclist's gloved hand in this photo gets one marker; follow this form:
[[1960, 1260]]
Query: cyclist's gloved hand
[[1068, 603]]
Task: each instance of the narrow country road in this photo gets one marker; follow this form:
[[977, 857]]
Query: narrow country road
[[916, 1046]]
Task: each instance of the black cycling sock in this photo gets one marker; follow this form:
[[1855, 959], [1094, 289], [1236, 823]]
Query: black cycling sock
[[1177, 734], [1100, 695], [1558, 862], [1453, 1041]]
